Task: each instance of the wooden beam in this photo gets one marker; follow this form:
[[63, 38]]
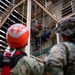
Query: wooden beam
[[46, 11], [37, 14]]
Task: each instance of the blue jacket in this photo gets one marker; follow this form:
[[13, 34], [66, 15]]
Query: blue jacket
[[46, 35]]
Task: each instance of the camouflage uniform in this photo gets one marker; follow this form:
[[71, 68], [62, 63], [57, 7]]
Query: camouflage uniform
[[27, 66], [56, 59]]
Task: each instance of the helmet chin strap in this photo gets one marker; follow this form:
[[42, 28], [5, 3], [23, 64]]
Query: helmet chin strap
[[11, 52]]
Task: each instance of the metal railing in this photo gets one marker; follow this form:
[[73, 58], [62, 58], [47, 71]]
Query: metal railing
[[55, 13], [67, 10], [14, 4], [48, 7]]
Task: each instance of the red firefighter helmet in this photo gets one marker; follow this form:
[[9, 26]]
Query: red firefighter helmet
[[17, 35]]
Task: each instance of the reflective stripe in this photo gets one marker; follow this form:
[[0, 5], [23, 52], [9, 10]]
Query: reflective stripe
[[16, 33]]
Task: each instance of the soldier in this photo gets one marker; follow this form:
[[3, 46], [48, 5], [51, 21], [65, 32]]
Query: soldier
[[61, 58], [16, 62]]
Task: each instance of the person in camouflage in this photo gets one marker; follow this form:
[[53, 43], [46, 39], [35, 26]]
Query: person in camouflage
[[17, 38], [61, 57]]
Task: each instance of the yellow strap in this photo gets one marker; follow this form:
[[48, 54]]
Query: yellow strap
[[23, 10], [40, 49], [43, 20]]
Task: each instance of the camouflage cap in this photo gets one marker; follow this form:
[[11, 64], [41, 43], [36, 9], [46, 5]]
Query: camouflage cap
[[66, 27]]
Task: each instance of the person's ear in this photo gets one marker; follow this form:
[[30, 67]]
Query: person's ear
[[64, 38], [26, 44]]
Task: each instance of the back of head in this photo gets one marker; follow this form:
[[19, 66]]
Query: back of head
[[67, 27], [17, 35], [46, 27], [39, 22]]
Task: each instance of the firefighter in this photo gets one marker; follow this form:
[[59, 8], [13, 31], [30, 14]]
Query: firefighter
[[16, 62]]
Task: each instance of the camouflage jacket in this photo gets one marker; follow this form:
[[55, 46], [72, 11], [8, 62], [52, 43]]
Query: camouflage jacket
[[27, 66], [56, 59]]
